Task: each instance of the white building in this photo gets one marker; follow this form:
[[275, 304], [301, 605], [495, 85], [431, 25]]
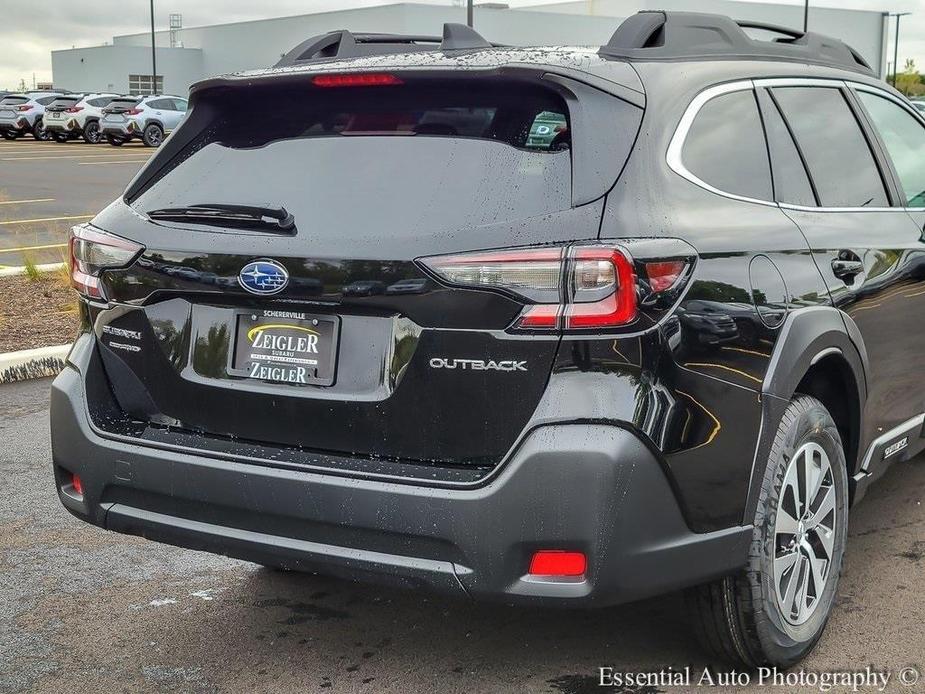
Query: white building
[[125, 65]]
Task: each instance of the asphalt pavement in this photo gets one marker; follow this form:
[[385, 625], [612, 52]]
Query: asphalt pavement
[[47, 187], [82, 609]]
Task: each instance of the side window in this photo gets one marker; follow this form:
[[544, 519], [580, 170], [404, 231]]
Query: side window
[[181, 105], [791, 182], [840, 162], [725, 146], [904, 137]]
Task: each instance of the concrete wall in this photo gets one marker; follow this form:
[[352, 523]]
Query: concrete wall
[[864, 30], [106, 68], [222, 48]]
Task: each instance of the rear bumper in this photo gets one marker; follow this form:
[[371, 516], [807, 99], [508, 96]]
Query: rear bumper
[[127, 129], [583, 487], [62, 126], [19, 123]]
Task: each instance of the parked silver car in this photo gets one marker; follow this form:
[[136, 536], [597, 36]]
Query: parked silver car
[[76, 115], [148, 118], [23, 113]]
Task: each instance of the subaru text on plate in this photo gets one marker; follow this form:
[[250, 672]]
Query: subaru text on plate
[[395, 334]]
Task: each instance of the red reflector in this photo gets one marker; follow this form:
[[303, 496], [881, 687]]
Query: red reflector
[[557, 562], [663, 275], [356, 79], [77, 484]]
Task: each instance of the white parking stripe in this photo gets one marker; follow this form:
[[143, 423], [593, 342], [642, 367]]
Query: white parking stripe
[[72, 156], [126, 161], [23, 202], [46, 219]]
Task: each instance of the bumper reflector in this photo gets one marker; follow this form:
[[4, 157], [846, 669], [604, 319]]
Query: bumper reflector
[[77, 484], [556, 562]]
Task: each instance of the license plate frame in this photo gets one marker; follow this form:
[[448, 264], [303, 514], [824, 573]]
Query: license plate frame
[[276, 347]]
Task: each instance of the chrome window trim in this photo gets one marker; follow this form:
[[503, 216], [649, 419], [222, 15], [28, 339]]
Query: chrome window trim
[[675, 147]]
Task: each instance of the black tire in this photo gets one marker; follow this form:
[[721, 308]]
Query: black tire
[[39, 132], [60, 137], [153, 135], [115, 140], [738, 618], [10, 134], [91, 134]]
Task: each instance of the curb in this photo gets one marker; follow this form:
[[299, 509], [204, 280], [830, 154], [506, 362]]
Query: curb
[[32, 363], [13, 271]]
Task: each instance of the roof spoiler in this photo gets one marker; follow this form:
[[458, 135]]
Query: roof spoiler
[[344, 44], [665, 35]]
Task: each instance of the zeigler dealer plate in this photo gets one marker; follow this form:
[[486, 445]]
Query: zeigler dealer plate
[[286, 347]]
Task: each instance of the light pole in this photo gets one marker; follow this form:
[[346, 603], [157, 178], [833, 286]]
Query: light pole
[[468, 12], [898, 15], [806, 16], [153, 54]]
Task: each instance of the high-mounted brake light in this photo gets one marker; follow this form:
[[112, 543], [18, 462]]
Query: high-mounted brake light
[[91, 252], [578, 287], [24, 107], [356, 79]]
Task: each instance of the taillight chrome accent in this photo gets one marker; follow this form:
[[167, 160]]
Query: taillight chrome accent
[[579, 287], [91, 251], [356, 79]]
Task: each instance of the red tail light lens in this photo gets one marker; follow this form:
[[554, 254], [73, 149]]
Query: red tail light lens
[[580, 287], [132, 112], [74, 109], [553, 562], [91, 252], [24, 107], [356, 79]]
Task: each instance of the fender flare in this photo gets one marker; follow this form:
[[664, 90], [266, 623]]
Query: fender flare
[[807, 336]]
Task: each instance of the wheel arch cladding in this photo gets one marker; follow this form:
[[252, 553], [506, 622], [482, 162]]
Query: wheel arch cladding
[[818, 354]]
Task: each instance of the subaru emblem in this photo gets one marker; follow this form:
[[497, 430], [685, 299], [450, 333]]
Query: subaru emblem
[[263, 277]]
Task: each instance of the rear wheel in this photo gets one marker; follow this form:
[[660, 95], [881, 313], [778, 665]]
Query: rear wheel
[[39, 132], [115, 140], [92, 133], [153, 135], [774, 611], [10, 134]]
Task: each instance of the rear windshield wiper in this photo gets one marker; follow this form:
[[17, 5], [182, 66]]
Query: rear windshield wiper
[[270, 219]]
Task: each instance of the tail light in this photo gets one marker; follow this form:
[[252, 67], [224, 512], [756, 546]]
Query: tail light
[[579, 287], [74, 109], [356, 79], [24, 107], [91, 252], [132, 112]]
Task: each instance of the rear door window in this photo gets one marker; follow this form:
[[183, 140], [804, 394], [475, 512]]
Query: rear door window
[[725, 146], [839, 158], [904, 137]]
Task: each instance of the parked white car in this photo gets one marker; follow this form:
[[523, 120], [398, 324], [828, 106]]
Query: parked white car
[[149, 118], [76, 115], [23, 113]]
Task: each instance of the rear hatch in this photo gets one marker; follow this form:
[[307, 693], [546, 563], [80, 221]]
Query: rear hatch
[[343, 188], [57, 110], [117, 108], [9, 106]]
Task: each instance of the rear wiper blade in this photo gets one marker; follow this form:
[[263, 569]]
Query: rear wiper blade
[[271, 219]]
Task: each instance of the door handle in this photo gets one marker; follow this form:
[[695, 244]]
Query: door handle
[[847, 269]]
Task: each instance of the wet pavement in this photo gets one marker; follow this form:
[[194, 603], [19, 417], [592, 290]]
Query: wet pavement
[[82, 609]]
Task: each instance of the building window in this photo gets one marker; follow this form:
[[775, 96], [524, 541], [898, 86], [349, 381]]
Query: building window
[[140, 85]]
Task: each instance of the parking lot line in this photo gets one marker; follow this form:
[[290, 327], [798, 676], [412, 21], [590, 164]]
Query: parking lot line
[[124, 161], [47, 219], [70, 156], [23, 202], [32, 248]]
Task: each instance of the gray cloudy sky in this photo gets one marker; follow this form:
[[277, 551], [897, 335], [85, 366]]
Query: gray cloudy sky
[[27, 37]]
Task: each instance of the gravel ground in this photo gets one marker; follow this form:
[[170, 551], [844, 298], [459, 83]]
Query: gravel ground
[[43, 314], [82, 609]]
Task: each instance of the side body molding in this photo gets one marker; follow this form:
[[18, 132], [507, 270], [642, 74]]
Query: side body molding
[[807, 336]]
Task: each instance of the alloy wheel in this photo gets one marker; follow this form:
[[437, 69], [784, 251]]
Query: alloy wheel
[[804, 533]]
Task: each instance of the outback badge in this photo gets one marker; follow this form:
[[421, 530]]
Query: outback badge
[[263, 277]]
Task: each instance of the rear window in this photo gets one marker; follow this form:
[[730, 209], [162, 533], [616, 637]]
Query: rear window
[[13, 100], [100, 101], [65, 101], [521, 116]]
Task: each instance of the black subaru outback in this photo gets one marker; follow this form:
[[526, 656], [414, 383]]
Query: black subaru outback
[[553, 325]]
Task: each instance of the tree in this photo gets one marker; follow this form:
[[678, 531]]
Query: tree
[[909, 82]]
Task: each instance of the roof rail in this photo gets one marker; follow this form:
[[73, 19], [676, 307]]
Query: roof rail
[[345, 44], [659, 34]]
